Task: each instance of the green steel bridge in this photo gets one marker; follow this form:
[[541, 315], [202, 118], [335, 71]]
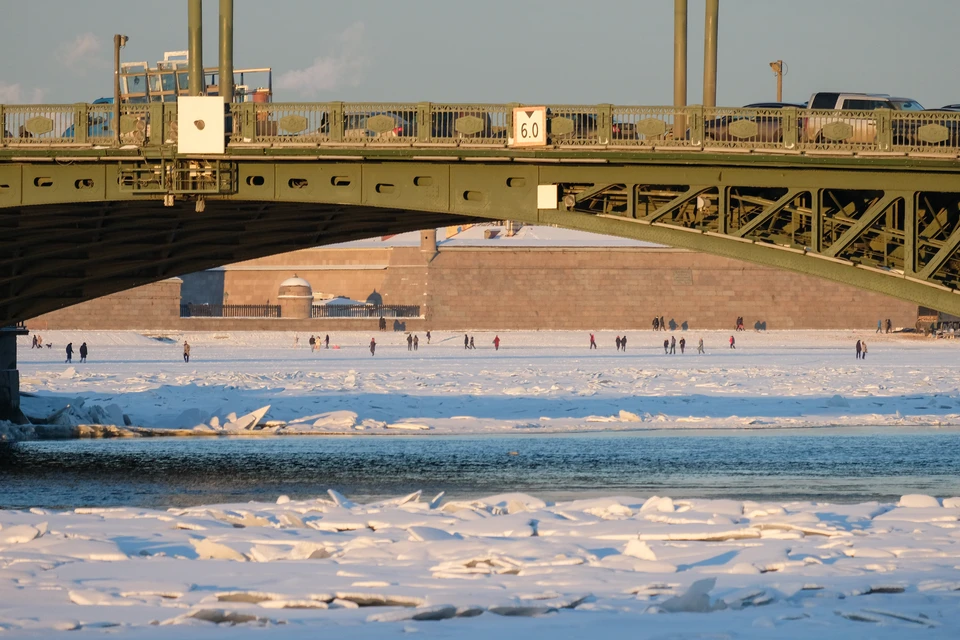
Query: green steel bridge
[[871, 199]]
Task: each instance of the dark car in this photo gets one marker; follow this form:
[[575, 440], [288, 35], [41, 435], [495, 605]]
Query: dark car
[[472, 124], [371, 125], [584, 127], [759, 128]]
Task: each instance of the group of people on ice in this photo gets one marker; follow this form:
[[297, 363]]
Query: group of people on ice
[[861, 349], [69, 350]]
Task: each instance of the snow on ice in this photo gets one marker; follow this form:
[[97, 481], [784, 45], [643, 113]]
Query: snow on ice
[[242, 383], [298, 567]]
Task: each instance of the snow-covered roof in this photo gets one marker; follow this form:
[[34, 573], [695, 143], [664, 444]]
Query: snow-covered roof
[[295, 282], [341, 300]]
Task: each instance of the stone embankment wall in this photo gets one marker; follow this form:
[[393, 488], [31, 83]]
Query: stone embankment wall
[[518, 288]]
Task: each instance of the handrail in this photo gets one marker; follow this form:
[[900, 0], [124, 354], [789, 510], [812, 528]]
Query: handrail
[[477, 125]]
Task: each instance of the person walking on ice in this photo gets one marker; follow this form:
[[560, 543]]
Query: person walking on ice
[[428, 336], [623, 343], [673, 345], [683, 343], [879, 326], [864, 345], [619, 343], [409, 342], [472, 346], [186, 351], [416, 342], [859, 349], [466, 341], [69, 352], [373, 347], [83, 352], [593, 342], [700, 347], [313, 343], [733, 343], [326, 342], [496, 343], [666, 346]]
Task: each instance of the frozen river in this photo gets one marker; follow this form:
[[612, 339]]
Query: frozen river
[[781, 489], [851, 464]]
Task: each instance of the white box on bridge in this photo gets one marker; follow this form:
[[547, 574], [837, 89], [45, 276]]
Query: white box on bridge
[[200, 124]]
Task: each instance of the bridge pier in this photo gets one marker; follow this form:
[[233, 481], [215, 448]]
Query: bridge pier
[[9, 376]]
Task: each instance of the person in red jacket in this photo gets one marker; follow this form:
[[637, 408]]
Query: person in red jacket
[[496, 343]]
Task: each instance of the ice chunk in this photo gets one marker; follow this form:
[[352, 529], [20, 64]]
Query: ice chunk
[[627, 416], [209, 550], [18, 534], [918, 501], [283, 499], [114, 415], [248, 421], [639, 549], [695, 600], [657, 503], [951, 503]]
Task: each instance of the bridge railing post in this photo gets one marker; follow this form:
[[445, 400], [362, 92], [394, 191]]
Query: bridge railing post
[[248, 121], [510, 107], [696, 124], [884, 139], [790, 127], [336, 121], [80, 123], [154, 124], [604, 123], [424, 120]]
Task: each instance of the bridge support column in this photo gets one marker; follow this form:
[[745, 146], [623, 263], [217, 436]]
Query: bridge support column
[[195, 46], [9, 376]]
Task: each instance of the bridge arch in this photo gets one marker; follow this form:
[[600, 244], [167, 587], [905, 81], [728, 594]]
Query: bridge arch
[[890, 229]]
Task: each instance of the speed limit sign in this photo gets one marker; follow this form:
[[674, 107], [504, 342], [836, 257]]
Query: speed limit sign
[[529, 127]]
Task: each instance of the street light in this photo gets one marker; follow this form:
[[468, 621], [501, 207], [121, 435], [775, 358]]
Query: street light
[[119, 42], [778, 70]]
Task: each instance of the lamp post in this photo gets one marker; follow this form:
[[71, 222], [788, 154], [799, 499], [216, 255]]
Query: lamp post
[[777, 67], [119, 42], [679, 66], [710, 54]]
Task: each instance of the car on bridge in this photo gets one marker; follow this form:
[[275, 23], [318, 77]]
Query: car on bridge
[[380, 124], [862, 128], [768, 124]]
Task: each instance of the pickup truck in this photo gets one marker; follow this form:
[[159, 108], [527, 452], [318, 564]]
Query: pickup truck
[[916, 129], [856, 128]]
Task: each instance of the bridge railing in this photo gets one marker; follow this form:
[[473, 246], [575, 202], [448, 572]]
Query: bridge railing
[[425, 124]]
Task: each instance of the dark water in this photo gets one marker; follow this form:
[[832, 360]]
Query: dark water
[[838, 466]]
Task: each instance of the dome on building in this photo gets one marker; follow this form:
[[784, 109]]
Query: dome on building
[[295, 281], [375, 299]]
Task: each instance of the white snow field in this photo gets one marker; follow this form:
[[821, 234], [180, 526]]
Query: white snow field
[[537, 382], [505, 566]]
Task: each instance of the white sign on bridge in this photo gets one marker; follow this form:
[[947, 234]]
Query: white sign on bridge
[[529, 127]]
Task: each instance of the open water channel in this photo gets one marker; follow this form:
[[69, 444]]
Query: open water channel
[[836, 465]]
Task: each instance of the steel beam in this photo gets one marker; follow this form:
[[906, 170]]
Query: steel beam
[[767, 213], [679, 201], [941, 257], [866, 220]]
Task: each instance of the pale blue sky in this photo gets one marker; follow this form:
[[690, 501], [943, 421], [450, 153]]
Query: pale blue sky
[[532, 51]]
